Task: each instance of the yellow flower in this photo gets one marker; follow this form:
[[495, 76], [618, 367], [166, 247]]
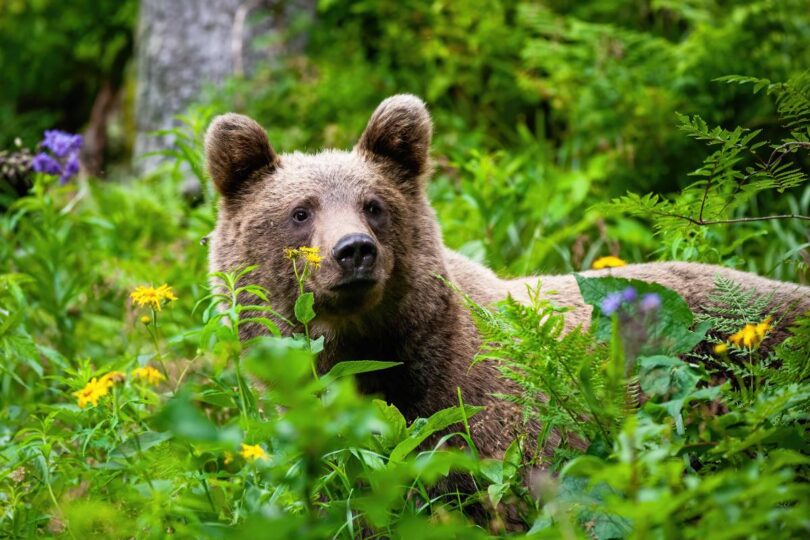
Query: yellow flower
[[608, 262], [310, 254], [98, 388], [751, 335], [150, 296], [764, 327], [92, 392], [720, 348], [146, 319], [252, 452], [148, 374], [112, 377]]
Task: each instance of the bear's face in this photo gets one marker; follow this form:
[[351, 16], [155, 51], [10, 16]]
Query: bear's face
[[357, 207]]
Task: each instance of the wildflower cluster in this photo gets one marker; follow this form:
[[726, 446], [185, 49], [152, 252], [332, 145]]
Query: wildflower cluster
[[615, 301], [749, 336], [60, 155], [152, 297], [608, 262], [311, 255], [97, 388]]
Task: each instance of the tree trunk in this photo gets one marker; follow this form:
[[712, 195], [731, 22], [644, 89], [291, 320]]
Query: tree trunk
[[184, 45]]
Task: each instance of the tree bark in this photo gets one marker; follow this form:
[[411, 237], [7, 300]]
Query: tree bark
[[184, 45]]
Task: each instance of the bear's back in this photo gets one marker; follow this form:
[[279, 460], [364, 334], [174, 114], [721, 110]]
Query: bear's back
[[695, 282]]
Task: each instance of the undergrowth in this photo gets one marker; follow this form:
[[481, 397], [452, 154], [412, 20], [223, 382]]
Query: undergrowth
[[130, 407]]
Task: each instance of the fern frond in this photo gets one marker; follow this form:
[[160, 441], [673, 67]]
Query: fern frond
[[730, 306], [560, 376], [737, 171], [794, 354]]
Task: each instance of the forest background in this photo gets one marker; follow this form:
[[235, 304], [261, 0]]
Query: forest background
[[565, 131]]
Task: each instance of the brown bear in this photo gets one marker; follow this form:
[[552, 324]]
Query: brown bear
[[378, 294]]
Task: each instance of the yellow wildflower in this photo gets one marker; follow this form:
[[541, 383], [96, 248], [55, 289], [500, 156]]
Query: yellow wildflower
[[744, 337], [148, 374], [252, 452], [764, 327], [111, 378], [151, 296], [92, 392], [720, 348], [146, 319], [608, 262], [311, 255], [751, 335]]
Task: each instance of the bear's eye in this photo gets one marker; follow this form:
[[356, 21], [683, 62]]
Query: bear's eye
[[373, 208], [300, 215]]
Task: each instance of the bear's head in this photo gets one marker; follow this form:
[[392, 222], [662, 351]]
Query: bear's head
[[365, 209]]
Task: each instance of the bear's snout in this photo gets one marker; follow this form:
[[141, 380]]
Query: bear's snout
[[356, 254]]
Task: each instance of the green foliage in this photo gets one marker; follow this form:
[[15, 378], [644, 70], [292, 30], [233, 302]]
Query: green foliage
[[541, 112], [655, 331], [730, 306], [670, 465], [794, 353], [187, 152], [167, 454], [55, 57], [733, 176], [561, 374], [235, 437]]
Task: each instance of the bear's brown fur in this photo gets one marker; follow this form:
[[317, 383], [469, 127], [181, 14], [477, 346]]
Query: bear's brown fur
[[400, 310]]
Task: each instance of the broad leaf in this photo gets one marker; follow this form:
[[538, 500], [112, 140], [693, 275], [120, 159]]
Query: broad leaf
[[303, 308], [422, 428], [353, 367]]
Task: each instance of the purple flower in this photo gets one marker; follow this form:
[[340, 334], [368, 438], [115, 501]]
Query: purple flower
[[629, 295], [650, 302], [611, 303], [61, 143], [44, 163], [71, 168], [63, 159]]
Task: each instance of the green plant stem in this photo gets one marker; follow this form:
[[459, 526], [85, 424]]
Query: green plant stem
[[240, 383], [153, 333], [300, 278]]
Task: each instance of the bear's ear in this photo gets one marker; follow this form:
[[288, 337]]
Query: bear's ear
[[236, 148], [398, 135]]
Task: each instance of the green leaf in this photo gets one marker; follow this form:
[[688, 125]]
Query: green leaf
[[704, 394], [397, 426], [185, 421], [496, 492], [512, 461], [303, 308], [492, 470], [353, 367], [140, 443], [246, 395], [422, 428], [661, 375], [264, 321], [667, 328]]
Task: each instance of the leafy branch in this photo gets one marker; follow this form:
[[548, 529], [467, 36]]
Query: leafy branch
[[737, 171]]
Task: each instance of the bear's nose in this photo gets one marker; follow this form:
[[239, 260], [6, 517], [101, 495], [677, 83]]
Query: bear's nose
[[355, 253]]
